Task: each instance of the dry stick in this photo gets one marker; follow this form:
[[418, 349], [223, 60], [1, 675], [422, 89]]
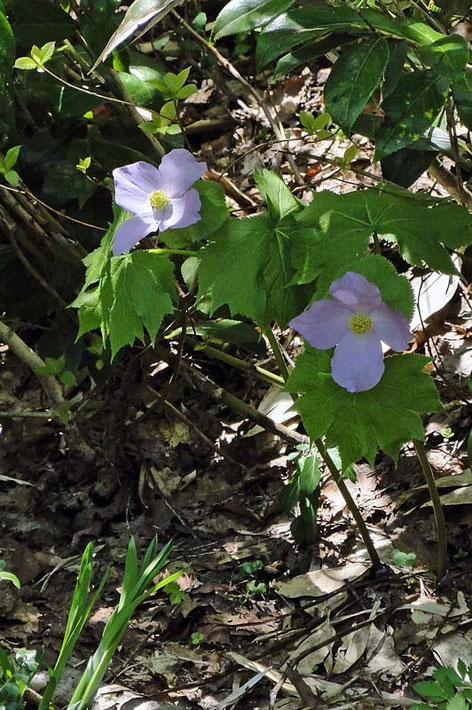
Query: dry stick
[[191, 424], [8, 198], [437, 507], [44, 216], [451, 126], [448, 182], [332, 468], [34, 362], [272, 118], [206, 385], [212, 352]]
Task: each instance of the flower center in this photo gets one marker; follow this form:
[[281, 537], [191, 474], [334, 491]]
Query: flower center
[[159, 200], [360, 323]]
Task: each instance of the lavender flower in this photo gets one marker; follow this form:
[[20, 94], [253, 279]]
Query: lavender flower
[[159, 198], [356, 321]]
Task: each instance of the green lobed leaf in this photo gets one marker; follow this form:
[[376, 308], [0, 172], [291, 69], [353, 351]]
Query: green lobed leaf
[[457, 702], [248, 267], [353, 80], [429, 689], [136, 291], [124, 295], [343, 224], [447, 55], [410, 110], [245, 15], [395, 288], [213, 213], [280, 201], [385, 417]]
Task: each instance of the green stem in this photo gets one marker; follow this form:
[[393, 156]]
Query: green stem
[[173, 252], [235, 361], [349, 500], [437, 507], [331, 466], [278, 354], [377, 247]]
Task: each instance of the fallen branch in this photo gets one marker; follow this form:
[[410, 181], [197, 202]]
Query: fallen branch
[[33, 361]]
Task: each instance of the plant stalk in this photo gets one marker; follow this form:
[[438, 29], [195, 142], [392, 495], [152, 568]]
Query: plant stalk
[[173, 252], [441, 564], [331, 466]]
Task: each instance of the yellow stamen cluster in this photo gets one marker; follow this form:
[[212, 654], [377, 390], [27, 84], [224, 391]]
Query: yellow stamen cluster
[[159, 200], [360, 323]]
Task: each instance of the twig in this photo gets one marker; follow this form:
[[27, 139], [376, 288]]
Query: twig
[[233, 361], [205, 384], [200, 433], [274, 120], [448, 182], [32, 360], [441, 564]]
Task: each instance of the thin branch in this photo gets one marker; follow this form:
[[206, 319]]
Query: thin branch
[[441, 564], [32, 360]]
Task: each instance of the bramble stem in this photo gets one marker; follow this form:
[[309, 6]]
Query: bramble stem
[[331, 466], [441, 563]]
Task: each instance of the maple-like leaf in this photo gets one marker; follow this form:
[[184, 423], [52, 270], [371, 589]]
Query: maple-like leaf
[[384, 417]]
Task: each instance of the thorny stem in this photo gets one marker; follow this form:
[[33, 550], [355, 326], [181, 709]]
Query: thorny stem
[[331, 466], [441, 563]]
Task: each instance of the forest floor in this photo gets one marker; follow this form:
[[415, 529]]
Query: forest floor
[[254, 621]]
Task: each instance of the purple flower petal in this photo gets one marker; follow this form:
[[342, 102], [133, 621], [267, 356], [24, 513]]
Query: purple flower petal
[[185, 211], [130, 232], [391, 327], [178, 171], [357, 363], [133, 185], [323, 324], [354, 290]]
